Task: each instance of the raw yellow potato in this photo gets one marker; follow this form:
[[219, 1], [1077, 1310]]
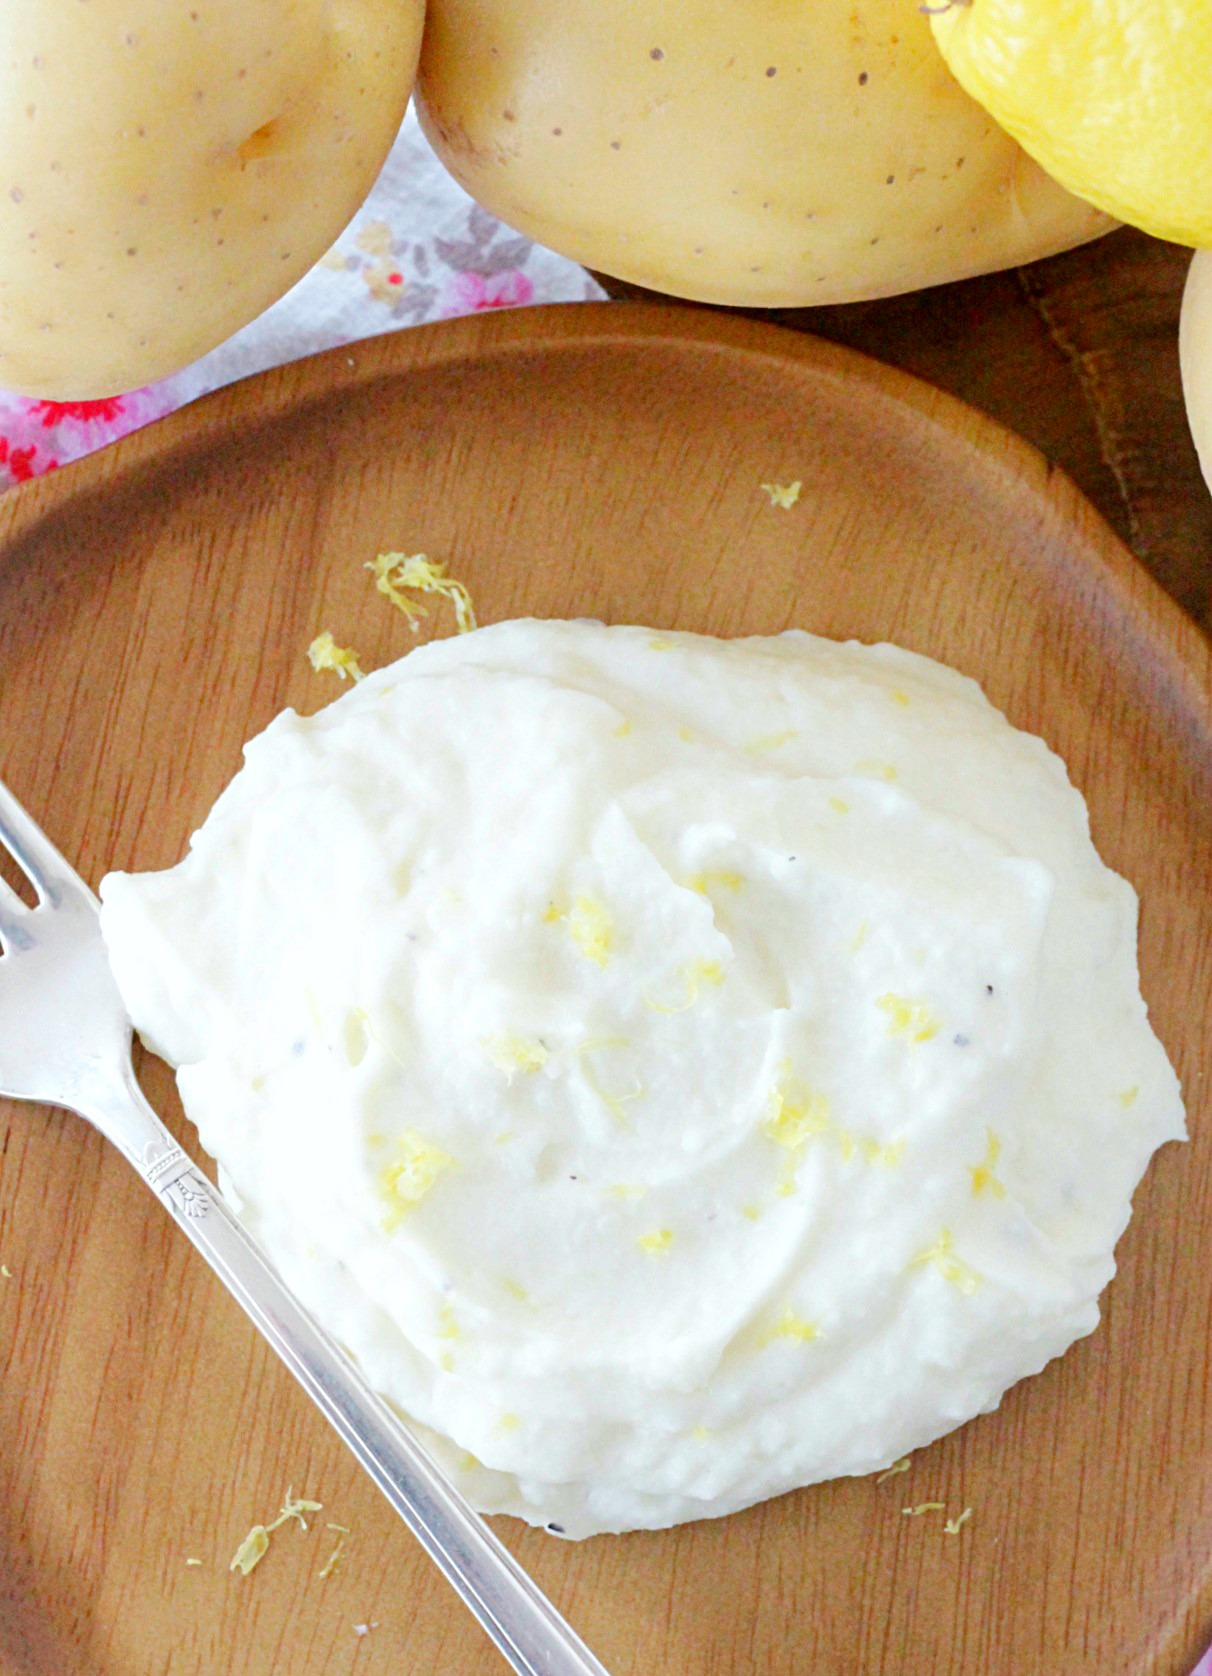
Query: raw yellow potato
[[772, 152], [1195, 352], [1112, 97], [168, 168]]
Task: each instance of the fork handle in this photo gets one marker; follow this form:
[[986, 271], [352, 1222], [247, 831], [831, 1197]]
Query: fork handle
[[517, 1615]]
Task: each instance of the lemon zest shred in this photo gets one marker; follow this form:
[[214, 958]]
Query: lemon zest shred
[[656, 1244], [860, 936], [875, 765], [901, 697], [255, 1545], [702, 883], [405, 1183], [515, 1289], [894, 1470], [333, 1561], [913, 1021], [624, 728], [751, 1213], [789, 1325], [1128, 1097], [794, 1113], [251, 1551], [192, 1561], [508, 1423], [702, 1434], [885, 1156], [355, 1036], [983, 1178], [693, 974], [660, 643], [771, 741], [924, 1507], [839, 805], [448, 1326], [591, 929], [941, 1255], [394, 572], [324, 654], [614, 1103], [953, 1526], [511, 1053], [783, 494], [6, 1271]]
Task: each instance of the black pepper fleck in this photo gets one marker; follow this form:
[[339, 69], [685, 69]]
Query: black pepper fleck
[[988, 989], [656, 55], [772, 70], [961, 1041], [558, 1529], [863, 79]]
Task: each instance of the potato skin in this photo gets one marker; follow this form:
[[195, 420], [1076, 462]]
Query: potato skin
[[168, 168], [1195, 355], [753, 152]]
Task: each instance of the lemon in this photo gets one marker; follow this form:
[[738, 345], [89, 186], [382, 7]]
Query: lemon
[[1112, 97]]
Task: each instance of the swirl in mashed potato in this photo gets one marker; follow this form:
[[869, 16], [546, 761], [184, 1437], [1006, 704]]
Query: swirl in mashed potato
[[678, 1070]]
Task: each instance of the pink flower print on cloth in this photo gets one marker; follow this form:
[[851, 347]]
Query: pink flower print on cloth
[[36, 436], [469, 293]]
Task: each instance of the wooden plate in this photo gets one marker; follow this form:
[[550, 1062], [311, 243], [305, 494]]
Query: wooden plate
[[155, 604]]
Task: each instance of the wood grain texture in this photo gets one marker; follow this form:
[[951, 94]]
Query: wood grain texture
[[1079, 355], [155, 605]]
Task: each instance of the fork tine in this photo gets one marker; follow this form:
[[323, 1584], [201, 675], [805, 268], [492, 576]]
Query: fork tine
[[43, 865]]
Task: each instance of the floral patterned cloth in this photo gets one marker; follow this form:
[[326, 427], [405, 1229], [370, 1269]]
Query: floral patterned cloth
[[418, 249]]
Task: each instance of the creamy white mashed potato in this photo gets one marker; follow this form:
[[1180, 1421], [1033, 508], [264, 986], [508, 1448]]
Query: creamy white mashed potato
[[678, 1070]]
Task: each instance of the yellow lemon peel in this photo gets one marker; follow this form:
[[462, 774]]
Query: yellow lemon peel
[[405, 1182], [894, 1470], [983, 1178], [591, 929], [252, 1550], [913, 1021], [783, 494], [703, 883], [941, 1255], [694, 975], [924, 1507], [953, 1526], [511, 1053], [1128, 1097], [771, 741], [789, 1325], [324, 653], [794, 1113], [656, 1244], [418, 573]]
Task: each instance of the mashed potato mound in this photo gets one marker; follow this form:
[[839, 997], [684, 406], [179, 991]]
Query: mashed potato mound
[[678, 1070]]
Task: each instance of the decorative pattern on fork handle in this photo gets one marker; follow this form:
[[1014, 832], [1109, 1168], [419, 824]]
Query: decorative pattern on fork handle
[[166, 1169]]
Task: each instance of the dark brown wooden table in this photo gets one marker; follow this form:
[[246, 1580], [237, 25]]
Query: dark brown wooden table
[[1079, 354]]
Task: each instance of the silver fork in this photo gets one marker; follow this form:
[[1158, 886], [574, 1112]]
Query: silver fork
[[65, 1041]]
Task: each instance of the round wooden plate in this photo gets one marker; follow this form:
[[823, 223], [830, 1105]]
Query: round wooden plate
[[155, 606]]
